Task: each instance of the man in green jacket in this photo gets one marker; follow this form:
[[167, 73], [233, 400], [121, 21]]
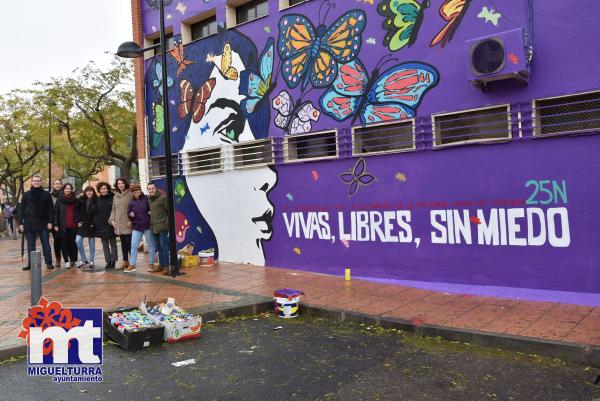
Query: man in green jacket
[[159, 224]]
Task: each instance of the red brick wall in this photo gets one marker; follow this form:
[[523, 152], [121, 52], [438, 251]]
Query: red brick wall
[[136, 19]]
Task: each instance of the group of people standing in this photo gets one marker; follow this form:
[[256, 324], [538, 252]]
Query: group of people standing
[[126, 213]]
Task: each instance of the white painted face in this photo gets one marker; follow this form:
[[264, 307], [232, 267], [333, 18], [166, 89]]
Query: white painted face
[[233, 203]]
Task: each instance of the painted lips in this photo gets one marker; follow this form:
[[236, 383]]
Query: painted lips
[[267, 219]]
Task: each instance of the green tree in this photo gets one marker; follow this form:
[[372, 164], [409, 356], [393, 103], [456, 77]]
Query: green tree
[[22, 141], [94, 110]]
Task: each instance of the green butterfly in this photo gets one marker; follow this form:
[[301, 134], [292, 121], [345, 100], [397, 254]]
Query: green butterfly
[[179, 190], [158, 123], [403, 19]]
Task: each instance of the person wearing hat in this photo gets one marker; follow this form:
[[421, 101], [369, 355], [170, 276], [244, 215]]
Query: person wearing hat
[[139, 214]]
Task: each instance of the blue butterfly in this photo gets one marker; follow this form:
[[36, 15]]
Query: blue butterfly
[[157, 82], [314, 54], [204, 129], [391, 95], [257, 86]]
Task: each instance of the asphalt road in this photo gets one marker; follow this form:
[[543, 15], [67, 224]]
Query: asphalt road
[[313, 359]]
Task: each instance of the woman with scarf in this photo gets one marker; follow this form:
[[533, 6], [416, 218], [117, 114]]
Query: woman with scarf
[[85, 213], [139, 213], [57, 186], [119, 219], [104, 230], [65, 224]]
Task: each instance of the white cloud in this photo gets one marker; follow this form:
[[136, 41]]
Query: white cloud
[[43, 39]]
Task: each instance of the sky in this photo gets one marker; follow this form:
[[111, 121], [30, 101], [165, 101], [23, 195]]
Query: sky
[[50, 38]]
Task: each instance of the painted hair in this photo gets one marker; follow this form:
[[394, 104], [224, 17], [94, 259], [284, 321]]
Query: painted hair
[[124, 182], [200, 72]]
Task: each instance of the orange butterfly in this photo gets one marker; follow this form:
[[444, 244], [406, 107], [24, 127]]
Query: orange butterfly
[[452, 11], [177, 54]]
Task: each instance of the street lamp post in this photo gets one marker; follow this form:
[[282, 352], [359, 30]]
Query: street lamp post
[[132, 50], [50, 103]]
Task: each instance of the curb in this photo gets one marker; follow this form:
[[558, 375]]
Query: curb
[[18, 348], [12, 349], [572, 352]]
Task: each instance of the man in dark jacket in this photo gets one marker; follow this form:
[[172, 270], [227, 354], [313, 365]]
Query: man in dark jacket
[[159, 223], [57, 186], [35, 219]]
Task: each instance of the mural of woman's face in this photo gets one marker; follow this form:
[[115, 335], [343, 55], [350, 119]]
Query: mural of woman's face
[[234, 203]]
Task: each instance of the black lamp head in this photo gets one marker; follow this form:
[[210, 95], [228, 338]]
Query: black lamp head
[[129, 50]]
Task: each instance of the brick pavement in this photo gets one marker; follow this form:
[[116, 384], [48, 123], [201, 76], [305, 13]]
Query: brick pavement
[[228, 284]]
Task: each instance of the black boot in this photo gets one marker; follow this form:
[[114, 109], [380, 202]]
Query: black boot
[[26, 268]]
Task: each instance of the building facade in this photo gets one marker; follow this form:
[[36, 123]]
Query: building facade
[[449, 145]]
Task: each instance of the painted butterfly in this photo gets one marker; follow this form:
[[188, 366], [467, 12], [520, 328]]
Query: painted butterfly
[[403, 19], [257, 86], [357, 176], [194, 100], [157, 82], [490, 15], [314, 54], [225, 67], [452, 11], [296, 120], [391, 95], [182, 63]]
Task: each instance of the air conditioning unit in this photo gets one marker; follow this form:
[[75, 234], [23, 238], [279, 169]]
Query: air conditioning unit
[[501, 56]]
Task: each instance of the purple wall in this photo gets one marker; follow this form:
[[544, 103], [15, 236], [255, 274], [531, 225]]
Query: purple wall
[[424, 181]]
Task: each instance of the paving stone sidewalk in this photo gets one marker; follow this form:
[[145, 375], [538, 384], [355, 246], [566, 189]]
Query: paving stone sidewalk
[[229, 285]]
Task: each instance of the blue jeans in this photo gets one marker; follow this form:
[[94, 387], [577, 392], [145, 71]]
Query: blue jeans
[[31, 238], [92, 245], [136, 238], [163, 248]]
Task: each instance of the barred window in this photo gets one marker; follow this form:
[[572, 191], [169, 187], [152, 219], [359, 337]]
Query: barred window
[[492, 123], [202, 161], [204, 28], [567, 114], [251, 10], [318, 145], [254, 153], [158, 166], [380, 138]]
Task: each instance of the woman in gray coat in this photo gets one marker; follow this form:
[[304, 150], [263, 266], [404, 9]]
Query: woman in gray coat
[[119, 219]]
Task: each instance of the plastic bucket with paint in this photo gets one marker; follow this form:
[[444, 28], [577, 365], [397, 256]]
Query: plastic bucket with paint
[[206, 258], [287, 302]]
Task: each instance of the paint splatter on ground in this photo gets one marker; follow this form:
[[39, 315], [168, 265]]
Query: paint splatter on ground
[[330, 360]]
